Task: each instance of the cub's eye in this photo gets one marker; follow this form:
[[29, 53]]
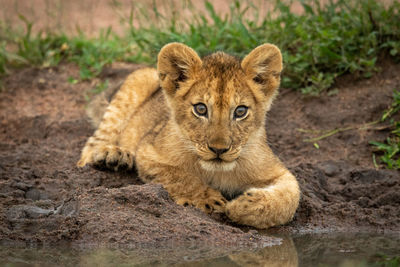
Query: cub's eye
[[200, 109], [240, 112]]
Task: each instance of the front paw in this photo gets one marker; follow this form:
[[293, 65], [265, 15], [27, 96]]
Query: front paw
[[212, 204], [252, 208], [106, 157]]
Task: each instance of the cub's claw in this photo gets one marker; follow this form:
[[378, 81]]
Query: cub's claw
[[209, 205], [106, 157]]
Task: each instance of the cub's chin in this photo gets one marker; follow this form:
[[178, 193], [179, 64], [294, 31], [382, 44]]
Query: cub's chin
[[218, 165]]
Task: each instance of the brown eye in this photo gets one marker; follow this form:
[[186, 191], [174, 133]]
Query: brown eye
[[240, 112], [200, 109]]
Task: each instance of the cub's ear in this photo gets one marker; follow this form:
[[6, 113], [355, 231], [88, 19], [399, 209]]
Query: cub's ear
[[264, 66], [176, 62]]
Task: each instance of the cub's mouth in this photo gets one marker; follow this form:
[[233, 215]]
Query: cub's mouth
[[218, 160], [211, 159], [218, 164]]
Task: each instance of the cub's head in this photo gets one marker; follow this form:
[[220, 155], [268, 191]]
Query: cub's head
[[219, 102]]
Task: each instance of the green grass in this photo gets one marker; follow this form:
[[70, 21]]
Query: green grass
[[319, 45], [390, 148], [386, 261], [49, 49]]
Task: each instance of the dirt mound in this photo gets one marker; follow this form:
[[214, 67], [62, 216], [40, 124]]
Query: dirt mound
[[145, 216], [44, 198], [351, 200]]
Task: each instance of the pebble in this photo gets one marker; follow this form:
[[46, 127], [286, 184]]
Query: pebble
[[330, 169], [36, 194]]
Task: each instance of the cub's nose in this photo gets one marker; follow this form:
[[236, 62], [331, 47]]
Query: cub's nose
[[218, 151]]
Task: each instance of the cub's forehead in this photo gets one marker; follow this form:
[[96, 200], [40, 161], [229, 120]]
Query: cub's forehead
[[221, 81], [222, 74], [221, 65]]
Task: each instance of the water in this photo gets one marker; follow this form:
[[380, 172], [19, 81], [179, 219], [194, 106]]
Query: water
[[297, 250]]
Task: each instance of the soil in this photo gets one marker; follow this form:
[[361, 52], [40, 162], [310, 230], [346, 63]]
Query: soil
[[46, 199]]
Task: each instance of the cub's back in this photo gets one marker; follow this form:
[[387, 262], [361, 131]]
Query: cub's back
[[141, 108]]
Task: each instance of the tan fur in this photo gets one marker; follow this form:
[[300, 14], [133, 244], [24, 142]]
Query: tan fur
[[98, 105], [152, 122]]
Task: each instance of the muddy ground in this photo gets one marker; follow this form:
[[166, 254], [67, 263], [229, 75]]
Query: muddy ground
[[46, 199]]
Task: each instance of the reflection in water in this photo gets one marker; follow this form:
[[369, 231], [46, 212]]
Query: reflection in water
[[347, 249], [281, 255], [299, 250], [284, 255]]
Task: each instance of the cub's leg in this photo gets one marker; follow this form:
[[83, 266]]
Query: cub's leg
[[102, 149], [272, 205], [184, 188]]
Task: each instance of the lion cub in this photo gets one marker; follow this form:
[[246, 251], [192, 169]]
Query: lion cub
[[197, 126]]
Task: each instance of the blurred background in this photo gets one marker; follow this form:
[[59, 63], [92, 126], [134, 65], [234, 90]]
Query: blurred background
[[90, 15]]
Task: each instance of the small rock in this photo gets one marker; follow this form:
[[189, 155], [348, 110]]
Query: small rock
[[17, 193], [367, 176], [68, 208], [329, 168], [36, 194], [363, 202], [36, 212], [22, 186], [26, 211]]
